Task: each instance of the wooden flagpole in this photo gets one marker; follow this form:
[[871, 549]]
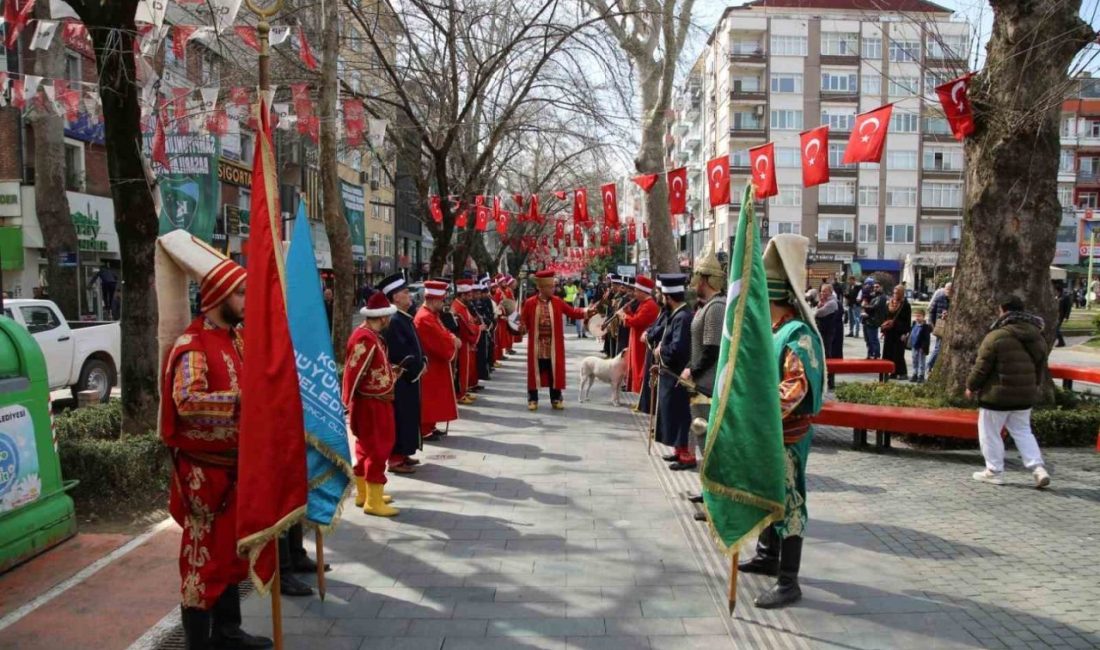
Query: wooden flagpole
[[733, 583], [652, 413], [321, 564], [276, 603]]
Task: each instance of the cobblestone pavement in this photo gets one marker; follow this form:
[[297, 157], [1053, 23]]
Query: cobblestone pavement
[[555, 529]]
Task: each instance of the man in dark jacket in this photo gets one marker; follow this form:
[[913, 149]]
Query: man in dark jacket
[[941, 301], [1005, 380], [1065, 306], [874, 314], [851, 303]]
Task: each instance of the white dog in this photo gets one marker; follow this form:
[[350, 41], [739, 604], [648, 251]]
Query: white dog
[[610, 371]]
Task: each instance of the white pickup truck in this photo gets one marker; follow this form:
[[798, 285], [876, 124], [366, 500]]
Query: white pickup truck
[[80, 355]]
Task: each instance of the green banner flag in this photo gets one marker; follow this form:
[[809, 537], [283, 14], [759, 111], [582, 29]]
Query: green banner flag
[[191, 191], [743, 472]]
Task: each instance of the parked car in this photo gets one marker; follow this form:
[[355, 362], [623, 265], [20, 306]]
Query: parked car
[[81, 355]]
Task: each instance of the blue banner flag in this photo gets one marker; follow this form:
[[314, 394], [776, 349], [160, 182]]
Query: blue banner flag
[[328, 456]]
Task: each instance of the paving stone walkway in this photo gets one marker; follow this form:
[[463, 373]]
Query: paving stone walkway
[[556, 529]]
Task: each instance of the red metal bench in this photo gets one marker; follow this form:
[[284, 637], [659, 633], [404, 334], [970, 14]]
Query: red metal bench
[[1068, 374], [880, 367], [887, 420]]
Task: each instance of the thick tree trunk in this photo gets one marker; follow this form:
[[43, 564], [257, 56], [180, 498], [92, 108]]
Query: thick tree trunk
[[663, 250], [1011, 212], [50, 200], [135, 216], [336, 226], [442, 245]]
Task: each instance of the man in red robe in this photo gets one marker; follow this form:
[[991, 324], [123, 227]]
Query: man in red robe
[[644, 315], [501, 338], [509, 290], [469, 331], [201, 364], [541, 319], [369, 382], [440, 347]]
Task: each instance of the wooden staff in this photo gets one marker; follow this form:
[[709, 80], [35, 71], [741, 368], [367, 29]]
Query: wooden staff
[[733, 583], [652, 414], [276, 605], [321, 564]]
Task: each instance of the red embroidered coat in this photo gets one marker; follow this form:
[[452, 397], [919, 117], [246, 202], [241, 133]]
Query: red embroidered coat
[[199, 411], [437, 385], [529, 316], [469, 331], [638, 322]]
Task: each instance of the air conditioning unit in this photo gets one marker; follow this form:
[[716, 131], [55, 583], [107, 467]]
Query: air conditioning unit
[[759, 110], [363, 177], [374, 184]]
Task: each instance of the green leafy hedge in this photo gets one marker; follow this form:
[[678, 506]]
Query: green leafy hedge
[[115, 472], [1071, 422]]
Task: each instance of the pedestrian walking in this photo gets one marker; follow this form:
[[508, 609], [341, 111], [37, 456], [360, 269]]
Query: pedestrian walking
[[1065, 306], [937, 311], [1005, 380], [895, 331], [851, 304], [920, 337], [874, 315]]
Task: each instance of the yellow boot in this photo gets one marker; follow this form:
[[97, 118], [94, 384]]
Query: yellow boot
[[386, 498], [375, 504], [360, 491]]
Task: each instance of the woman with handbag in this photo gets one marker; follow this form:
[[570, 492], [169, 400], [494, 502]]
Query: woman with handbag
[[895, 331]]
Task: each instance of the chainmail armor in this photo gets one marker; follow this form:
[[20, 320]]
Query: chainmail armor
[[706, 329]]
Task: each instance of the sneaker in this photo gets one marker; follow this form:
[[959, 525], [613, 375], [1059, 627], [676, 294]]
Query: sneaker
[[989, 476], [1042, 478]]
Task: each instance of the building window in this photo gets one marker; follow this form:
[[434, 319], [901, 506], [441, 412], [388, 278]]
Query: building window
[[787, 83], [901, 197], [949, 46], [938, 234], [901, 160], [838, 82], [868, 233], [872, 84], [903, 122], [1094, 128], [788, 196], [74, 166], [932, 79], [786, 120], [746, 48], [950, 159], [73, 66], [838, 193], [902, 51], [784, 228], [937, 126], [868, 196], [872, 48], [839, 43], [787, 157], [1065, 196], [941, 195], [744, 121], [836, 156], [751, 83], [835, 230], [898, 233], [1087, 200], [788, 45], [739, 158], [838, 119], [903, 86]]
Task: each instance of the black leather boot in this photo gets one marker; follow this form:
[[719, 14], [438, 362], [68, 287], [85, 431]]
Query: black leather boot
[[227, 634], [289, 585], [300, 561], [766, 561], [196, 628], [786, 589]]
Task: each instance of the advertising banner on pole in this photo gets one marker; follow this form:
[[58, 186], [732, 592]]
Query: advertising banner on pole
[[190, 190], [352, 198]]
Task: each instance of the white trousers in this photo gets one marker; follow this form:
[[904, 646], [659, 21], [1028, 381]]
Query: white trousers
[[1018, 423]]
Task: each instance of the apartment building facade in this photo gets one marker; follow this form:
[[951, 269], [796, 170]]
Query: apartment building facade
[[773, 69]]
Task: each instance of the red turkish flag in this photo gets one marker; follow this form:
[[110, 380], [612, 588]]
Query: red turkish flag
[[502, 224], [561, 194], [248, 36], [868, 136], [762, 162], [533, 209], [518, 199], [610, 205], [239, 95], [160, 141], [580, 205], [15, 17], [815, 156], [718, 180], [559, 230], [578, 235], [460, 220], [956, 105], [180, 35], [631, 232], [481, 214], [616, 236], [603, 237], [271, 454], [497, 212], [677, 190], [307, 51], [435, 207], [646, 182]]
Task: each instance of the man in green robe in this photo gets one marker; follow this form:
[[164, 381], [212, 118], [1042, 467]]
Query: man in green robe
[[801, 360]]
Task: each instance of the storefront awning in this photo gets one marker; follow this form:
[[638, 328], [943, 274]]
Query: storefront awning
[[872, 266]]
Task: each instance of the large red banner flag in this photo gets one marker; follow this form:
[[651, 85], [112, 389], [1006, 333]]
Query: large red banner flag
[[481, 215], [646, 182], [580, 205], [868, 136], [271, 459], [956, 105], [718, 181], [610, 205], [762, 163], [533, 209], [677, 190], [815, 156]]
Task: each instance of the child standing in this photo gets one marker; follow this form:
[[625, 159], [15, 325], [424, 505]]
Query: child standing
[[920, 339]]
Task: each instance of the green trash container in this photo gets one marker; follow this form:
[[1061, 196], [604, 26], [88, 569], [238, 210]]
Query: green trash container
[[35, 511]]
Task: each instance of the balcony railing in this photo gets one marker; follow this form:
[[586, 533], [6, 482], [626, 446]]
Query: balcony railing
[[1090, 177]]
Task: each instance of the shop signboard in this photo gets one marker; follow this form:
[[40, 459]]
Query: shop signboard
[[94, 219]]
